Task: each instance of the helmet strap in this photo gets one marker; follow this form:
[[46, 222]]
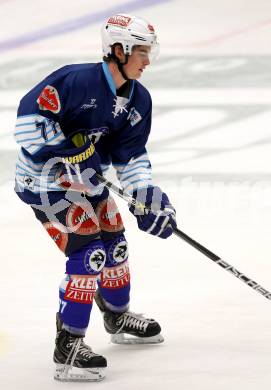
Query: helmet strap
[[120, 64], [120, 67]]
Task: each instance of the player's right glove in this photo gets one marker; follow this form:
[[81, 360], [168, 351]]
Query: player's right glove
[[77, 170], [161, 220]]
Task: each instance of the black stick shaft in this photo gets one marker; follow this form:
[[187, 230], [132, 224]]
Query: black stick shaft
[[222, 263]]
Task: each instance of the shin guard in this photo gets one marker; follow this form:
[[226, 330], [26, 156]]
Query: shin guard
[[77, 290], [114, 280]]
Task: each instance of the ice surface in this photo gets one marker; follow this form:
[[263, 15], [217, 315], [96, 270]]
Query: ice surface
[[210, 149]]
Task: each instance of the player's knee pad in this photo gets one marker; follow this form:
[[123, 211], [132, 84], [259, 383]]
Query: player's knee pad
[[88, 260], [114, 280]]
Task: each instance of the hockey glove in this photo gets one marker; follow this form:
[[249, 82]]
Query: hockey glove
[[161, 220], [77, 170]]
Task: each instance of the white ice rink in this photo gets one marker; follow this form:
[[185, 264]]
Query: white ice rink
[[210, 150]]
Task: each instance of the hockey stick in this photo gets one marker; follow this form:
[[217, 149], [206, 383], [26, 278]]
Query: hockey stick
[[216, 259]]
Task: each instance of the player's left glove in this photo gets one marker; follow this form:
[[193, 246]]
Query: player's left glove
[[161, 220]]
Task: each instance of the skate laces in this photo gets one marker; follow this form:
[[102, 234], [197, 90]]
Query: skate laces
[[75, 343], [132, 321], [78, 346], [85, 350]]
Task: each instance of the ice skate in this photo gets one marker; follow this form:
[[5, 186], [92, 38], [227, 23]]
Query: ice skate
[[75, 361], [129, 327]]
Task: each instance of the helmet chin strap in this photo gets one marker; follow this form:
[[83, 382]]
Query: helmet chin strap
[[121, 64], [120, 67]]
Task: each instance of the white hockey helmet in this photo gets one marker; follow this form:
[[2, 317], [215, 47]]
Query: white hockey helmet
[[130, 31]]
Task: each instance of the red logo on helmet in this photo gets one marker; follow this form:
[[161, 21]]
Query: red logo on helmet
[[151, 28], [109, 216], [119, 20], [81, 220], [49, 100], [57, 232]]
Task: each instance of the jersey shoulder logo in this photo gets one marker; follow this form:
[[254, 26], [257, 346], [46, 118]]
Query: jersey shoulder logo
[[49, 100], [29, 181]]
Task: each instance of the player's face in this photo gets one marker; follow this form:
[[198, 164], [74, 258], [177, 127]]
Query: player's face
[[137, 62]]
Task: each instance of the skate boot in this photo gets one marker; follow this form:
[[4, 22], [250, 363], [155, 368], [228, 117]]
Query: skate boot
[[75, 361], [128, 327]]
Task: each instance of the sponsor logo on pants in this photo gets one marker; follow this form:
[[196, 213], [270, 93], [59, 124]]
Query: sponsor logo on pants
[[58, 233], [81, 289], [82, 221], [115, 277], [109, 216]]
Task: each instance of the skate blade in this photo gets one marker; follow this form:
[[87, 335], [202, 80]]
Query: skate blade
[[123, 338], [76, 374]]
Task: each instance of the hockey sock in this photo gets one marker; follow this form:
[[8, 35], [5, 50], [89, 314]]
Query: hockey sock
[[114, 281], [76, 297], [77, 290]]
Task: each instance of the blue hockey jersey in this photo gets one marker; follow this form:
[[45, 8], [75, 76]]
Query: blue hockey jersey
[[82, 98]]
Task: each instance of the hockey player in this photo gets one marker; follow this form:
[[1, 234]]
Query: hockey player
[[78, 121]]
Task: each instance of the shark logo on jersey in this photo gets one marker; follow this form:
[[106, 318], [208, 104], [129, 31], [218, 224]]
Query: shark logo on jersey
[[134, 116]]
